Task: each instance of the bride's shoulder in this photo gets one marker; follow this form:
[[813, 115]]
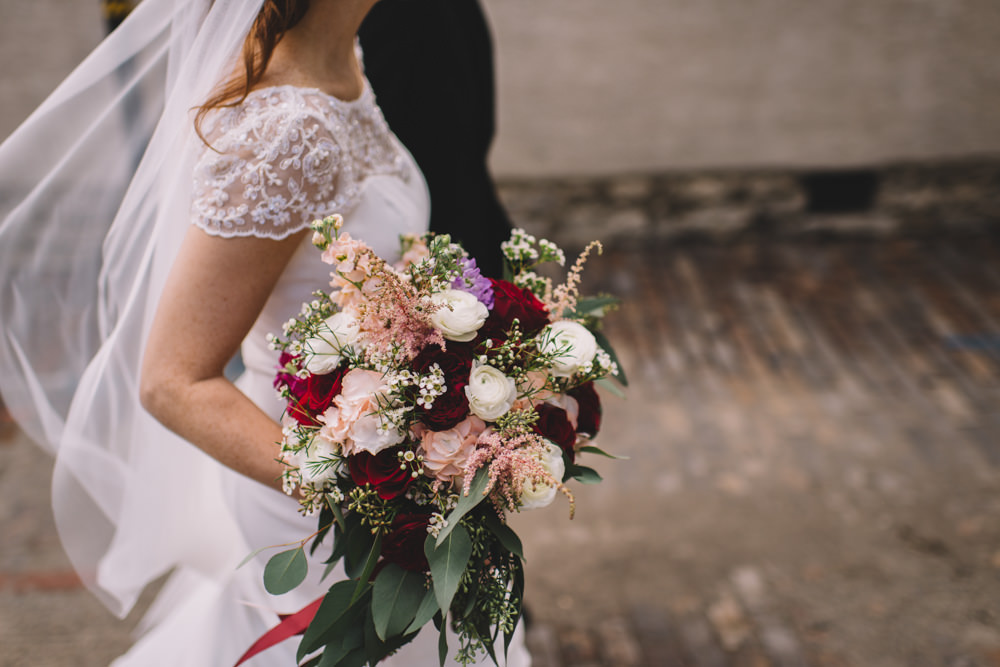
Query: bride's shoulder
[[272, 115], [270, 164]]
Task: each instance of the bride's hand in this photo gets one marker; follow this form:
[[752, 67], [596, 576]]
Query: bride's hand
[[214, 293]]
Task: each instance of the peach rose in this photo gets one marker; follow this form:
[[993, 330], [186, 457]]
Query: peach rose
[[446, 452], [352, 422]]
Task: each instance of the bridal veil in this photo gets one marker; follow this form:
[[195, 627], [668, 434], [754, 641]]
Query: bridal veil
[[93, 203]]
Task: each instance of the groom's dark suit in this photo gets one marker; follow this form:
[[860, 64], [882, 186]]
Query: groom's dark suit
[[430, 63]]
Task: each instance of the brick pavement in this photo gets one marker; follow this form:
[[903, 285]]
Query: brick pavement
[[814, 437]]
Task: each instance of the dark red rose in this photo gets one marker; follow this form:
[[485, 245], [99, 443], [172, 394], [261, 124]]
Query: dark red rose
[[311, 396], [512, 302], [404, 545], [452, 406], [589, 419], [380, 470], [553, 423]]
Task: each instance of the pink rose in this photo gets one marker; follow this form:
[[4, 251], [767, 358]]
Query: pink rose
[[352, 421], [446, 452]]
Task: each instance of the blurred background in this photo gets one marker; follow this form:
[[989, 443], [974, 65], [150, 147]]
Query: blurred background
[[800, 203]]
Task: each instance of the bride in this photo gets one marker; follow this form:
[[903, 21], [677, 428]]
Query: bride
[[260, 121]]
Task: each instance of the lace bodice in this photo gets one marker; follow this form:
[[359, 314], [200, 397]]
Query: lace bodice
[[286, 156]]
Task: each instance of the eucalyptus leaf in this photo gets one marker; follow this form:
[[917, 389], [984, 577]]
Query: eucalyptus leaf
[[330, 567], [516, 593], [465, 503], [356, 658], [425, 612], [590, 449], [332, 609], [443, 645], [586, 305], [327, 521], [359, 546], [605, 383], [505, 534], [338, 514], [396, 596], [583, 474], [250, 556], [448, 562], [366, 573], [285, 570]]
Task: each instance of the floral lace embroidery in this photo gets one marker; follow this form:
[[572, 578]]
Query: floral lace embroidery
[[287, 156]]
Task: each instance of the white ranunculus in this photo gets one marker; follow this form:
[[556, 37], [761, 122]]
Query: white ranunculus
[[324, 351], [491, 393], [576, 346], [460, 316], [539, 494], [314, 468]]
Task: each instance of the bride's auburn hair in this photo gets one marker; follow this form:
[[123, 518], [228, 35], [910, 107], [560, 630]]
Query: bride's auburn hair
[[274, 19]]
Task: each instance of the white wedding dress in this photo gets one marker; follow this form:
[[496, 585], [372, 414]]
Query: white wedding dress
[[282, 158]]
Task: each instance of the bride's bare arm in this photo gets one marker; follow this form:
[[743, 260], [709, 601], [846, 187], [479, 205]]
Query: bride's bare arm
[[213, 295]]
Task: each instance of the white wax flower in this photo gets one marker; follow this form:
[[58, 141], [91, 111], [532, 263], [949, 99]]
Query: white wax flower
[[577, 347], [491, 393], [460, 316], [536, 495], [324, 351]]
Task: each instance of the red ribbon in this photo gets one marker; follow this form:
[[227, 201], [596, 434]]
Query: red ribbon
[[291, 625]]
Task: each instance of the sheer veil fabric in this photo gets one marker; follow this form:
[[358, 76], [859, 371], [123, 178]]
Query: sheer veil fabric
[[94, 200]]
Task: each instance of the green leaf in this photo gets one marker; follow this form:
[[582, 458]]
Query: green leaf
[[330, 567], [605, 344], [339, 546], [505, 535], [448, 562], [395, 599], [355, 658], [583, 474], [586, 305], [608, 385], [285, 570], [332, 609], [517, 593], [359, 546], [366, 573], [338, 514], [590, 449], [465, 503], [425, 612], [326, 520], [443, 644], [251, 556]]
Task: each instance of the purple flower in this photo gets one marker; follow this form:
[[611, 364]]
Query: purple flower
[[473, 282]]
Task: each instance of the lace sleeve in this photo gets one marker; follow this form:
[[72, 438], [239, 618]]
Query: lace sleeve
[[270, 170]]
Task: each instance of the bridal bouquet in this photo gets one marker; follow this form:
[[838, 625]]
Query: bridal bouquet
[[425, 402]]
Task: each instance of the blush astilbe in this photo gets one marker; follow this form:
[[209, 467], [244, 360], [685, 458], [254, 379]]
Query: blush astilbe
[[513, 459], [392, 313]]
